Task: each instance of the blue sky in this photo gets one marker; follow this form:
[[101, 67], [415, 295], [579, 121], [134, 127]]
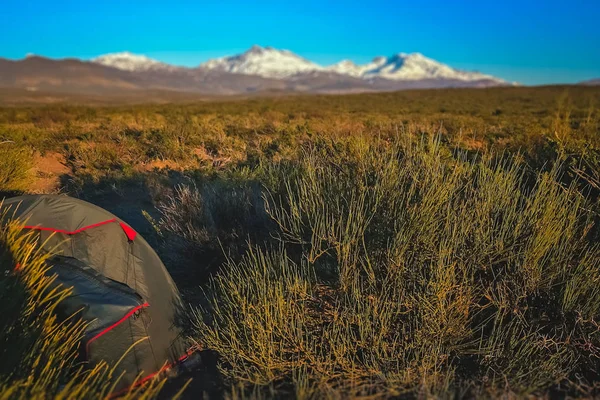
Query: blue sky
[[532, 42]]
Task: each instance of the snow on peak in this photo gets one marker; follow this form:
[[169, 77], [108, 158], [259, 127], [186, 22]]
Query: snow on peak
[[130, 62], [267, 62], [347, 67], [406, 66]]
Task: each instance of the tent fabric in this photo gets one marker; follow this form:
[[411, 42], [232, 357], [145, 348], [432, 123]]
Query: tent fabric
[[120, 286]]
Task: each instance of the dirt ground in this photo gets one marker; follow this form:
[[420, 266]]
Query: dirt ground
[[48, 170]]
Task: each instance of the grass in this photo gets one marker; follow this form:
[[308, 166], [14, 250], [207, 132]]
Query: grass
[[15, 168], [415, 244], [413, 272]]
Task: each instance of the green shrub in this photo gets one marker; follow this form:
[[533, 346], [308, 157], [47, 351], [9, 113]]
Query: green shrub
[[406, 270], [15, 168]]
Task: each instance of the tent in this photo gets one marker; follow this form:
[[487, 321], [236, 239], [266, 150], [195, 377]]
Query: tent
[[120, 286]]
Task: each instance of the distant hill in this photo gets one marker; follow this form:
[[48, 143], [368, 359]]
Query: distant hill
[[591, 82], [39, 73], [72, 75]]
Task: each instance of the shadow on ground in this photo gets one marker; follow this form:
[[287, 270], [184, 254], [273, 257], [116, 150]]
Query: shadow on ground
[[233, 214]]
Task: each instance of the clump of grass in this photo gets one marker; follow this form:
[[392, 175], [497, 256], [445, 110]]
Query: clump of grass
[[38, 352], [206, 209], [15, 168], [405, 269]]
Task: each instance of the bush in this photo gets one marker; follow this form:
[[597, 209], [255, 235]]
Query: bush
[[15, 168], [209, 214], [404, 269]]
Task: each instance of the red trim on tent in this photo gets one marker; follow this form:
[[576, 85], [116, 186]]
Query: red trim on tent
[[145, 379], [129, 232], [113, 326], [164, 368], [42, 228]]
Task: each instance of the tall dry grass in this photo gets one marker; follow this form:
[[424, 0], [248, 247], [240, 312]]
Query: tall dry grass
[[405, 269]]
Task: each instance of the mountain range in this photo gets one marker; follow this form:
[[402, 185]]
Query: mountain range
[[259, 69]]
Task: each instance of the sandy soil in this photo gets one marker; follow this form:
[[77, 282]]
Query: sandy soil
[[47, 170]]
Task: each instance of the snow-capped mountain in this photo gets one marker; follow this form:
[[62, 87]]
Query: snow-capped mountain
[[263, 61], [271, 63], [131, 62], [347, 67], [406, 67]]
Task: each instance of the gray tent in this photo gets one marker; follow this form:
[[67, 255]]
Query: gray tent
[[119, 283]]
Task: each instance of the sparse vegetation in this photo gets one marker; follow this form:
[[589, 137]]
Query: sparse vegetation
[[429, 243]]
